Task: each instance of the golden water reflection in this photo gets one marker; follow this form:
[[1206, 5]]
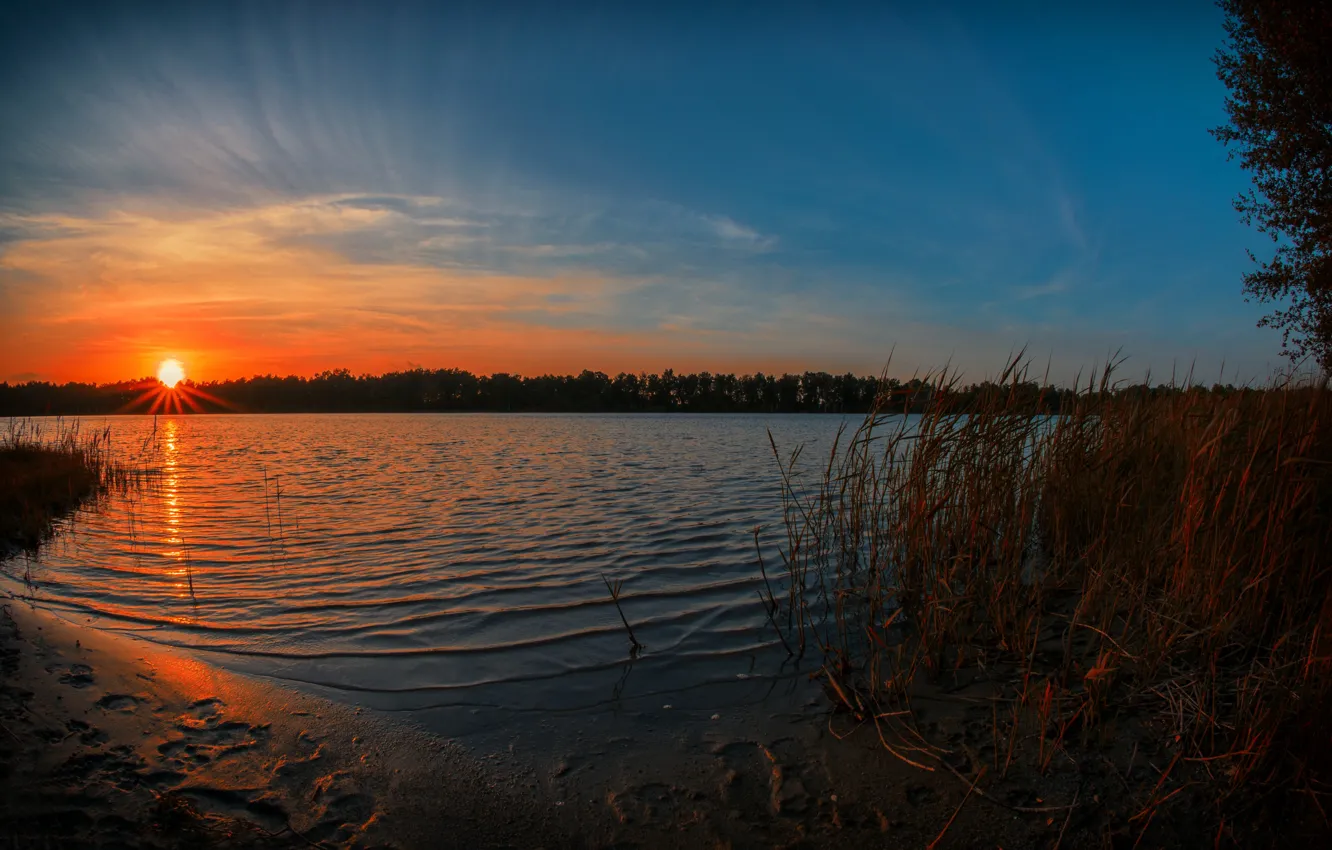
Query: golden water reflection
[[179, 570], [438, 551]]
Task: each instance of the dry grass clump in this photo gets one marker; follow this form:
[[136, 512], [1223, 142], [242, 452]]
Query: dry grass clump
[[46, 473], [1147, 568]]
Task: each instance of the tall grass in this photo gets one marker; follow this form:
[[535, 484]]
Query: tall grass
[[47, 471], [1157, 558]]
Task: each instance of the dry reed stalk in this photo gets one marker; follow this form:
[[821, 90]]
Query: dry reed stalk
[[47, 471], [1158, 550], [614, 588]]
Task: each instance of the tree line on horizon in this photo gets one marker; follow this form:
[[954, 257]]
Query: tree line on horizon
[[456, 390]]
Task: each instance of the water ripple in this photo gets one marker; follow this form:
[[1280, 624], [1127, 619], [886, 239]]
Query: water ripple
[[409, 554]]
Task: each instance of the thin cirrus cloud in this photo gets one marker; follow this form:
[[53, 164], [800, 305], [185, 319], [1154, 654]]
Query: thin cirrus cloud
[[287, 188], [297, 280]]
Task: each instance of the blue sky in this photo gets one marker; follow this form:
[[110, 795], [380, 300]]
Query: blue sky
[[292, 187]]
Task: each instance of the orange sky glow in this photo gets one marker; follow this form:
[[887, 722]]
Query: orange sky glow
[[241, 293], [290, 191], [216, 293], [270, 289]]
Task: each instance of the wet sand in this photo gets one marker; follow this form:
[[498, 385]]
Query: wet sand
[[109, 740]]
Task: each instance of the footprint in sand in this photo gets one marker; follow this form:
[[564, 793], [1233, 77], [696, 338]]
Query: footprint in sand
[[180, 753], [120, 766], [206, 736], [74, 675], [238, 803], [123, 703], [201, 714], [286, 766], [162, 779], [344, 809], [751, 780], [88, 734]]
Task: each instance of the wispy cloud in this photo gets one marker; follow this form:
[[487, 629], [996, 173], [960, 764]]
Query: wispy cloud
[[732, 231], [1054, 287], [291, 282], [287, 185]]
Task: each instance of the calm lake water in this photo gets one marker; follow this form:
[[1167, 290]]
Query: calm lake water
[[446, 562]]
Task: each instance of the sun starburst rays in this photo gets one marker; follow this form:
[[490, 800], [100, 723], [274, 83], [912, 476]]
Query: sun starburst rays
[[156, 397]]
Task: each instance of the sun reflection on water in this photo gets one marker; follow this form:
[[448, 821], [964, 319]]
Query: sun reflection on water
[[179, 570], [439, 552]]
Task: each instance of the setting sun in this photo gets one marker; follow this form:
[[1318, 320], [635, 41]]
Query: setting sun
[[171, 372]]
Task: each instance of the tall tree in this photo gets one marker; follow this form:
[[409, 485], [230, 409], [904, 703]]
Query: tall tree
[[1277, 64]]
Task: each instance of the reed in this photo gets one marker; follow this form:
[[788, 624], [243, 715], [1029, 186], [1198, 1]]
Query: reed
[[614, 588], [47, 471], [1150, 562]]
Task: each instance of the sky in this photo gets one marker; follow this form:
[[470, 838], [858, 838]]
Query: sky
[[286, 188]]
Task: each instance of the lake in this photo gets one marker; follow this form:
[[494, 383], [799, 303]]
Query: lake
[[449, 566]]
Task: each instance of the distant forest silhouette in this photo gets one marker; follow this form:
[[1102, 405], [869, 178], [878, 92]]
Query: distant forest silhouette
[[454, 390]]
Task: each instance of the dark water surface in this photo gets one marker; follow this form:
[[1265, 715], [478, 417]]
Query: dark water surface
[[449, 566]]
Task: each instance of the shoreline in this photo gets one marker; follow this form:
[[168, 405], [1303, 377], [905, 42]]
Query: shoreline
[[109, 739], [1121, 690], [112, 740]]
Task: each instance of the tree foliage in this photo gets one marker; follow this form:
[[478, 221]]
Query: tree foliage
[[1277, 64], [456, 390]]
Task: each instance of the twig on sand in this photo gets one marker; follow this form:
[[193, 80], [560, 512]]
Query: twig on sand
[[965, 797], [1060, 840], [1031, 810], [614, 588], [889, 747]]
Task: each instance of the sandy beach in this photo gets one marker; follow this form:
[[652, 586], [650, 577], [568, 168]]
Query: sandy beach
[[112, 741]]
